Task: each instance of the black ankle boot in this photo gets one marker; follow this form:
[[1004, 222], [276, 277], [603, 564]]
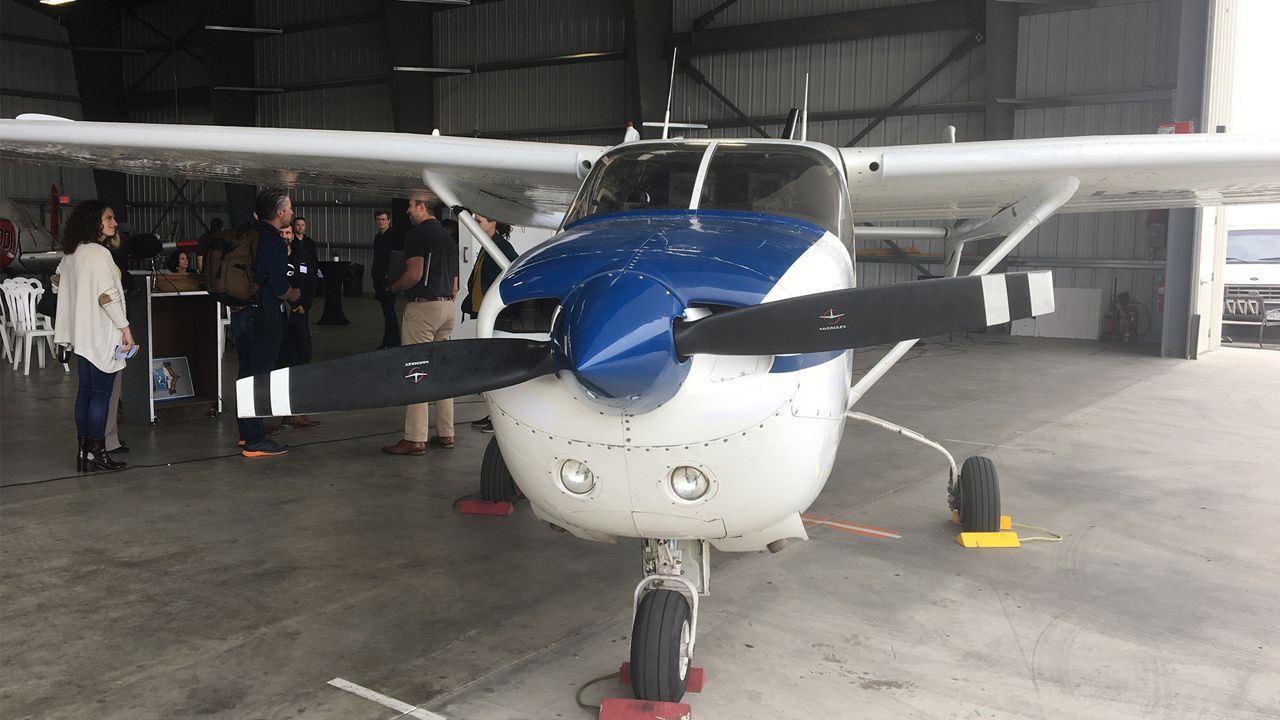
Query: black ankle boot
[[96, 457], [81, 466]]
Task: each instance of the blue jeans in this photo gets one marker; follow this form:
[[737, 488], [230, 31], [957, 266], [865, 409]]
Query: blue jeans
[[258, 335], [93, 399]]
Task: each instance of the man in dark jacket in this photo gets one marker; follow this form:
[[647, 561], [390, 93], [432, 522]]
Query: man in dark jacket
[[296, 347], [483, 274], [485, 271], [301, 235], [258, 327], [383, 245]]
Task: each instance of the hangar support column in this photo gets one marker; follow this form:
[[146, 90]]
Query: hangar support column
[[410, 48], [230, 66], [648, 25], [94, 30], [1181, 271], [1001, 48]]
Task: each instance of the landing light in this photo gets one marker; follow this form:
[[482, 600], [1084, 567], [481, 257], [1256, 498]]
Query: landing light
[[576, 477], [689, 483]]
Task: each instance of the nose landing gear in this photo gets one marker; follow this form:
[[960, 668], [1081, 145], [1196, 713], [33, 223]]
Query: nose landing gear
[[665, 628]]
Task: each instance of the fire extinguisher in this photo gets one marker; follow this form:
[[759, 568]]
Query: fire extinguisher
[[1160, 294]]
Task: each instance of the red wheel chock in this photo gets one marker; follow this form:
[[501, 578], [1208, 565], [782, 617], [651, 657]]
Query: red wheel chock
[[484, 507], [629, 709], [696, 678]]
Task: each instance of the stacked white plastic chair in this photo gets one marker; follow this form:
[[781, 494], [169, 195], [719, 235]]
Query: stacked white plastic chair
[[29, 326], [6, 327]]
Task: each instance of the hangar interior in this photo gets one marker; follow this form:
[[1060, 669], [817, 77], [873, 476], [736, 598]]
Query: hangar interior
[[891, 72], [201, 583]]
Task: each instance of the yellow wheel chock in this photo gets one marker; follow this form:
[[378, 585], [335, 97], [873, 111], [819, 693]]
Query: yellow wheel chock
[[1005, 538]]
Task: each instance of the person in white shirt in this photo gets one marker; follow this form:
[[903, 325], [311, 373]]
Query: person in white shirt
[[91, 319]]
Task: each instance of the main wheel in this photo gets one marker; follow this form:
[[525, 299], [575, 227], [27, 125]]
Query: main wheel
[[979, 491], [496, 483], [660, 657]]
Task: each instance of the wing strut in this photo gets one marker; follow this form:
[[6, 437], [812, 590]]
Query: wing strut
[[1017, 220], [440, 187]]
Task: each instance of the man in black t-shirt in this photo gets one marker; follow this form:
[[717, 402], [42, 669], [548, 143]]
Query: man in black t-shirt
[[429, 283]]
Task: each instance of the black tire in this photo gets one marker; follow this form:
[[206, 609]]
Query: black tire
[[656, 671], [979, 496], [496, 483]]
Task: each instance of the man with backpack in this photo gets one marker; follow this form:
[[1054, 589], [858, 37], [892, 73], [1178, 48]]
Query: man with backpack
[[248, 270]]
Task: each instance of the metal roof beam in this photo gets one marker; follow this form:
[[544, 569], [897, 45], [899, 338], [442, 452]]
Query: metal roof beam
[[854, 25]]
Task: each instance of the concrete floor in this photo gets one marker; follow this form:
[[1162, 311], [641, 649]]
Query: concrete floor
[[198, 583]]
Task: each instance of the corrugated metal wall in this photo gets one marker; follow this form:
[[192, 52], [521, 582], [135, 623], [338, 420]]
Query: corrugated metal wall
[[1123, 60], [539, 98], [28, 67]]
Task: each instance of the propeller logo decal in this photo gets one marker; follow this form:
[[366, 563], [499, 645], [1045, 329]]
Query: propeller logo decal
[[831, 318], [415, 374]]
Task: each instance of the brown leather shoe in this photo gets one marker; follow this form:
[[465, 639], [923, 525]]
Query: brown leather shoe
[[442, 442], [301, 422], [406, 447]]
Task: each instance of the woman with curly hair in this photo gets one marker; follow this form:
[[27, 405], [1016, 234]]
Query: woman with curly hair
[[91, 320]]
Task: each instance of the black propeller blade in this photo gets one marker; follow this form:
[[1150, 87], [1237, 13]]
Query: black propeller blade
[[398, 376], [860, 317]]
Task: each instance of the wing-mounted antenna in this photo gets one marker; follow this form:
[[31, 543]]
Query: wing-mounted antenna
[[804, 112], [666, 123], [671, 86]]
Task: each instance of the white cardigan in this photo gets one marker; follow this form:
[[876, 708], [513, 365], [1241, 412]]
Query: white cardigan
[[91, 306]]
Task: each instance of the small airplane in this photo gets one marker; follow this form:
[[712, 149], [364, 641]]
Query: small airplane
[[675, 364], [25, 247]]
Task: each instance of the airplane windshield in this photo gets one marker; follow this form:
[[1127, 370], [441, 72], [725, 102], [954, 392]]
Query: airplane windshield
[[774, 179], [768, 178], [644, 178]]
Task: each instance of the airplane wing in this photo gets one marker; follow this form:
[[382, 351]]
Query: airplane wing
[[1123, 172], [525, 183]]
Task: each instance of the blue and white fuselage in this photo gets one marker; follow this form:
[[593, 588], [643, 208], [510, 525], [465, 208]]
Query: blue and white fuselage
[[606, 291]]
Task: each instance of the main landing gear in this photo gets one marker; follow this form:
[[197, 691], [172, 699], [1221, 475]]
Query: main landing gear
[[665, 628], [973, 493]]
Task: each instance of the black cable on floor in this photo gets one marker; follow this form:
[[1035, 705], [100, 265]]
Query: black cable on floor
[[191, 460], [577, 697]]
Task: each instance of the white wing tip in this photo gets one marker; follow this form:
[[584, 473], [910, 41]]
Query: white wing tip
[[42, 116]]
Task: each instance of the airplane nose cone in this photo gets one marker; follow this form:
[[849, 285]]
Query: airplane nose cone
[[614, 330]]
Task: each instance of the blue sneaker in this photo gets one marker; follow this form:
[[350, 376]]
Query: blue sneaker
[[264, 448]]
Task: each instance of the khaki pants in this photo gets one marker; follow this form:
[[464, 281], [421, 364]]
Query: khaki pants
[[113, 425], [427, 322]]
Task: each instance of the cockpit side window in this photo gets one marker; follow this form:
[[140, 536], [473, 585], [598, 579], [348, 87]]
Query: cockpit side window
[[643, 178], [787, 181]]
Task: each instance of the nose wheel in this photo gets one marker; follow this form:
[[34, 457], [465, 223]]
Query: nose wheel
[[661, 646], [496, 483]]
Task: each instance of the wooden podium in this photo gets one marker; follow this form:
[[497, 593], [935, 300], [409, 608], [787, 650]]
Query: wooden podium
[[168, 323]]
